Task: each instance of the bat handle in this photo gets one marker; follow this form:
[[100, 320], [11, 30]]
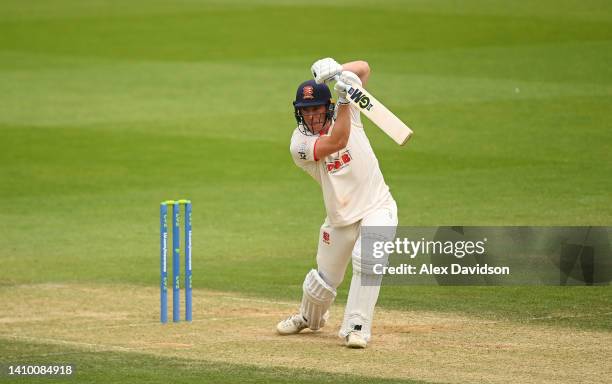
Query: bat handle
[[335, 78]]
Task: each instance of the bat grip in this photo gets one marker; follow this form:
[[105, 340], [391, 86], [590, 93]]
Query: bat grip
[[335, 78]]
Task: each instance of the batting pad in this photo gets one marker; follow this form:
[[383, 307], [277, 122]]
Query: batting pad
[[318, 297]]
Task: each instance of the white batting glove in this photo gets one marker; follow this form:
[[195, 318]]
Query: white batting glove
[[341, 89], [348, 77], [324, 70], [343, 83]]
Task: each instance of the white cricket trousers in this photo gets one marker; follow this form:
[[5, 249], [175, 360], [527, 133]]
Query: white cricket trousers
[[338, 245]]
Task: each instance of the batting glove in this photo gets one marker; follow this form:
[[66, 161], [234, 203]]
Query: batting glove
[[341, 89], [348, 77], [324, 70]]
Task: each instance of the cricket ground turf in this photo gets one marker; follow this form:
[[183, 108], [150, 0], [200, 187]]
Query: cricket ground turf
[[108, 108]]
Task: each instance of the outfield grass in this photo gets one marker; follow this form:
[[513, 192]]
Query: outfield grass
[[108, 108], [106, 367]]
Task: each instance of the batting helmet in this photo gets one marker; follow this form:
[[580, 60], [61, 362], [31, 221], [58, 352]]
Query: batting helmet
[[310, 94]]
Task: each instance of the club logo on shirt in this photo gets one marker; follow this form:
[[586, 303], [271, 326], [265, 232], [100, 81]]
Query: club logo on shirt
[[326, 238], [338, 163]]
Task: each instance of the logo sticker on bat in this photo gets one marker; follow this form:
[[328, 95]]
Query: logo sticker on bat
[[358, 97]]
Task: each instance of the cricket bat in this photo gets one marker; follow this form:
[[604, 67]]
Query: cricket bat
[[379, 114]]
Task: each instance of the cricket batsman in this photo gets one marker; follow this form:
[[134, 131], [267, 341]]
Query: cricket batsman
[[331, 145]]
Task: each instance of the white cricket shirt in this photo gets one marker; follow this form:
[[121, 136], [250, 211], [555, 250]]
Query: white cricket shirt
[[351, 180]]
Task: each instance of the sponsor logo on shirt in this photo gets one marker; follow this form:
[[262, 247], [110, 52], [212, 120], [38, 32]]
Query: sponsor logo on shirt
[[302, 151], [338, 163]]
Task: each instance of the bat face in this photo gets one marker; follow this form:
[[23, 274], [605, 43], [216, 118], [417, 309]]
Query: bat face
[[379, 114], [361, 100]]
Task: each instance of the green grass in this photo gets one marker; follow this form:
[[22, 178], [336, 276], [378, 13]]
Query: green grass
[[577, 307], [106, 367], [108, 108]]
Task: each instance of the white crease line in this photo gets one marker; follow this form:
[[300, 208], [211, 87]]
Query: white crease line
[[170, 323]]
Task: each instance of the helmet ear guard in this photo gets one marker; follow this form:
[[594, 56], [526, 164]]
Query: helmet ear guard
[[331, 109], [298, 115]]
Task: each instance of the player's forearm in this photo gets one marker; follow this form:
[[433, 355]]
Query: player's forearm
[[360, 68], [338, 139], [342, 126]]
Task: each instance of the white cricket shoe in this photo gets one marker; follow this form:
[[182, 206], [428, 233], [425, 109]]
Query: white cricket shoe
[[355, 340], [291, 325]]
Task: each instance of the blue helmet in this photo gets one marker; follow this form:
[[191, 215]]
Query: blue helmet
[[310, 94]]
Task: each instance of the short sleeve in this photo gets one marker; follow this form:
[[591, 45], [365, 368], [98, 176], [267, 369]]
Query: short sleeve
[[302, 148]]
